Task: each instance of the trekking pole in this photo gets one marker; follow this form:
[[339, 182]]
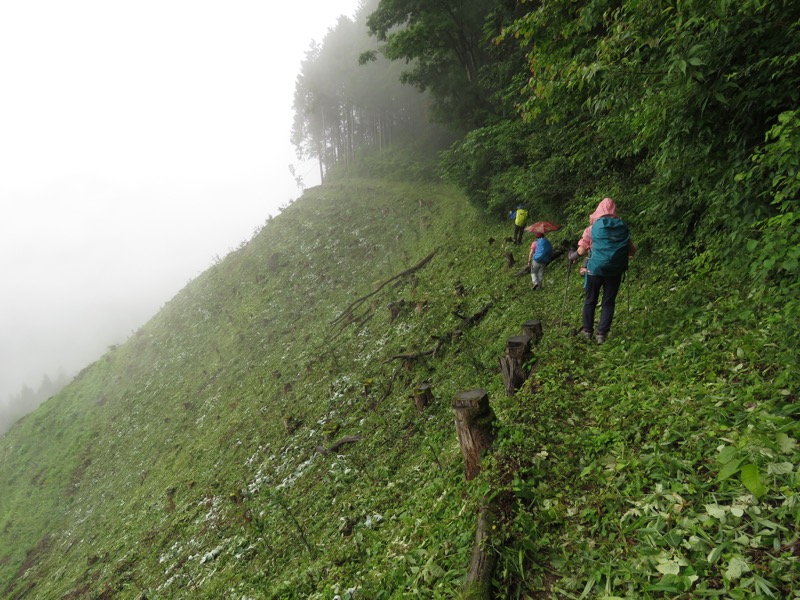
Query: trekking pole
[[566, 292], [628, 296]]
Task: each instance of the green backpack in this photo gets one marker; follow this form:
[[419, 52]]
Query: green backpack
[[610, 242]]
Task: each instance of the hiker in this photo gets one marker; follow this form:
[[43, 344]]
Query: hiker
[[520, 217], [538, 258], [608, 243]]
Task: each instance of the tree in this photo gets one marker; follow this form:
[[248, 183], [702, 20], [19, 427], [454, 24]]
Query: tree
[[342, 107], [677, 94], [444, 45]]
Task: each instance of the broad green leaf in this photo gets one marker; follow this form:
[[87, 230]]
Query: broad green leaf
[[666, 585], [727, 454], [716, 511], [786, 444], [752, 481], [781, 468], [736, 568], [668, 567], [729, 469]]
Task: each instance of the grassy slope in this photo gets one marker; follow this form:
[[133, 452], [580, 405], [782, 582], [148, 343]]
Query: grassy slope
[[165, 469]]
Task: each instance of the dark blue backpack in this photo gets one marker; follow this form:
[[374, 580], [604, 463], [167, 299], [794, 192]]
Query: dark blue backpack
[[544, 251], [610, 242]]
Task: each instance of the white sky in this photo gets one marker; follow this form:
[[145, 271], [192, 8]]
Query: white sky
[[138, 141]]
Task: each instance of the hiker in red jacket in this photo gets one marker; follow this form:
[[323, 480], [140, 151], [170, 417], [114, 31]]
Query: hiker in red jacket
[[608, 243]]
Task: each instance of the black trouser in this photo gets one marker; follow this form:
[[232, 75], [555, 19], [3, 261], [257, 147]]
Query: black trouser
[[610, 287], [518, 229]]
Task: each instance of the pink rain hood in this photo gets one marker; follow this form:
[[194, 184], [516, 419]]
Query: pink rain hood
[[606, 208]]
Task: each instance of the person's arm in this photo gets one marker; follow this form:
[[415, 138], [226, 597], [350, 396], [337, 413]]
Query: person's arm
[[584, 244], [530, 254]]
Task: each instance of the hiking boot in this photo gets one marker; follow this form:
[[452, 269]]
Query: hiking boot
[[601, 337], [586, 333]]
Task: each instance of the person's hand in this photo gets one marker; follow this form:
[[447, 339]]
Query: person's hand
[[573, 256]]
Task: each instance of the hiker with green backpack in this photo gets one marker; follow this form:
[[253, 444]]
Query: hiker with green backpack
[[608, 243]]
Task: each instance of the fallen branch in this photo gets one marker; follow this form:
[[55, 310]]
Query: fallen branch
[[348, 439], [358, 302], [440, 340], [471, 320], [412, 356], [415, 355]]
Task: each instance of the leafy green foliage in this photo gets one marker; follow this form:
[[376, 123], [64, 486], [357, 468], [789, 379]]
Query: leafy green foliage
[[776, 248], [443, 45], [202, 458], [192, 460], [663, 102]]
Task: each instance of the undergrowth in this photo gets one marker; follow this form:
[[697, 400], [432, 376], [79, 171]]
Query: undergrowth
[[249, 442]]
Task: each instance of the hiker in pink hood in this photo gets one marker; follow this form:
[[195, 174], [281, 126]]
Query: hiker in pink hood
[[607, 242]]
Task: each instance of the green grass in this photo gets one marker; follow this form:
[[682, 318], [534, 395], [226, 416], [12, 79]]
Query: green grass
[[661, 464]]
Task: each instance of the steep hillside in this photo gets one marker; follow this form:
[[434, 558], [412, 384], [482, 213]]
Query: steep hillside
[[258, 439], [173, 447]]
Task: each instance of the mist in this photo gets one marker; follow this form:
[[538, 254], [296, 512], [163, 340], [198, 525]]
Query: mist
[[141, 144]]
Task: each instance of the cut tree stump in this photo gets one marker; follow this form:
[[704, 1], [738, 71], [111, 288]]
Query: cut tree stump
[[422, 396], [475, 428], [395, 308], [509, 259], [533, 329], [518, 351], [478, 585]]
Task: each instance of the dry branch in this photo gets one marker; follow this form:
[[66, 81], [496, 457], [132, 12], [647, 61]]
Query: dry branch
[[410, 356], [348, 312], [349, 439], [415, 355], [471, 320]]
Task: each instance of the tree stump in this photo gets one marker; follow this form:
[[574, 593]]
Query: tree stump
[[518, 350], [509, 259], [459, 290], [395, 308], [533, 329], [475, 428], [422, 396], [478, 585]]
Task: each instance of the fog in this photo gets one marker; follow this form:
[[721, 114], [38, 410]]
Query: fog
[[139, 143]]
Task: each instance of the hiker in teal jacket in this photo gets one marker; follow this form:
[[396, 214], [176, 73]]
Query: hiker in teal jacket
[[608, 243]]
